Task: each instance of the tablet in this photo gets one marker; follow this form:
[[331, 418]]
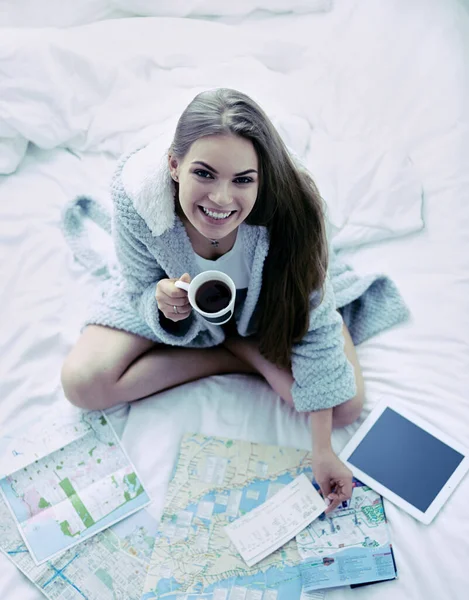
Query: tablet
[[406, 460]]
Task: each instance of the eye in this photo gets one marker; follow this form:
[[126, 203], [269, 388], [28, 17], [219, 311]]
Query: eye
[[203, 174], [244, 180]]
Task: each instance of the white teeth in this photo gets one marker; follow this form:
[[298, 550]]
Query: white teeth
[[216, 215]]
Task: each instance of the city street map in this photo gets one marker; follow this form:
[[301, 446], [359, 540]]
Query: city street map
[[63, 498], [349, 546], [218, 480], [111, 565], [215, 481]]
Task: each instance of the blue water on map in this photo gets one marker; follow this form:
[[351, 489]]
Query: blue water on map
[[260, 487], [165, 586], [142, 518], [46, 538], [286, 581], [17, 505]]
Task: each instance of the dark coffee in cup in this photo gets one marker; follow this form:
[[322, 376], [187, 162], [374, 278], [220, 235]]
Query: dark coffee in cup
[[213, 296]]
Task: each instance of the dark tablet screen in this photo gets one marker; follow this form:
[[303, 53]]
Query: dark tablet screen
[[406, 459]]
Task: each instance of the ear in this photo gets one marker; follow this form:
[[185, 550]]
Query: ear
[[173, 163]]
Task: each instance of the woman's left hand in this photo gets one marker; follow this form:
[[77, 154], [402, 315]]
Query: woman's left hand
[[333, 477]]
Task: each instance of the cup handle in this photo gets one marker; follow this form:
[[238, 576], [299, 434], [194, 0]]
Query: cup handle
[[182, 285]]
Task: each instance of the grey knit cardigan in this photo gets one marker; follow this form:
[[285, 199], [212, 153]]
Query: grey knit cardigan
[[151, 243]]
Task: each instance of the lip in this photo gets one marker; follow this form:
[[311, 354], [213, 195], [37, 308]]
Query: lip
[[211, 220]]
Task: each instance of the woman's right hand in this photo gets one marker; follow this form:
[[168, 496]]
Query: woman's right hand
[[171, 300]]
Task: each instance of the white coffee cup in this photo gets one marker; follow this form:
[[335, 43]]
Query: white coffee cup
[[201, 298]]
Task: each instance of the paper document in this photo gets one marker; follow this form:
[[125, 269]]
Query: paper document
[[215, 481], [36, 438], [349, 546], [316, 595], [74, 492], [269, 526], [112, 564]]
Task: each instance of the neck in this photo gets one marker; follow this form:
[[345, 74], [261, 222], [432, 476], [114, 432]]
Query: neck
[[205, 247]]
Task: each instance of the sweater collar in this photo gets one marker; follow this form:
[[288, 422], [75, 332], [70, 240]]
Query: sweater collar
[[148, 183]]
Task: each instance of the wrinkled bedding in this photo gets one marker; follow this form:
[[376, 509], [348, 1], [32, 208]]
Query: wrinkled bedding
[[374, 97]]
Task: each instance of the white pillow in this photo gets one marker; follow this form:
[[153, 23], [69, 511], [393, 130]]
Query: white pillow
[[223, 8], [101, 86], [55, 13]]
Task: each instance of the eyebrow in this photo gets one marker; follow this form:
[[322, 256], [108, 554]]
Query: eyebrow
[[199, 162]]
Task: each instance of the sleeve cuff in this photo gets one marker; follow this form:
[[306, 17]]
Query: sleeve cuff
[[174, 334], [327, 392]]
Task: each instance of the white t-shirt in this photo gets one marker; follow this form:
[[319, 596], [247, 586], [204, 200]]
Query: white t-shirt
[[233, 264]]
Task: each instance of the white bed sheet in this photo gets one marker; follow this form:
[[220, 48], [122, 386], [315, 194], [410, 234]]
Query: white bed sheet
[[424, 363]]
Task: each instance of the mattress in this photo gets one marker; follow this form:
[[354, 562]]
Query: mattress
[[375, 99]]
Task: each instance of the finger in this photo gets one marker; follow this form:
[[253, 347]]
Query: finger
[[342, 492], [178, 314], [180, 310], [172, 292], [346, 489], [325, 487], [334, 502], [163, 298], [168, 287], [186, 277], [171, 310]]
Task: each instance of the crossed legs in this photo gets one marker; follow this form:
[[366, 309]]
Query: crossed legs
[[108, 366]]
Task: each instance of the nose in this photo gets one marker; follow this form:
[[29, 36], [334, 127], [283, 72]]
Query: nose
[[220, 195]]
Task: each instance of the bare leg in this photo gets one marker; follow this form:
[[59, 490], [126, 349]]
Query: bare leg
[[281, 379], [108, 366], [164, 367]]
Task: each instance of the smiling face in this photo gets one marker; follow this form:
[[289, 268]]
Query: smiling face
[[218, 183]]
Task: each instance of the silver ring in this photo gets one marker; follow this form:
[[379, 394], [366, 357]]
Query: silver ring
[[176, 309]]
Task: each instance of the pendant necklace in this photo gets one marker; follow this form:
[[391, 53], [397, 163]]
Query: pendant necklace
[[215, 243]]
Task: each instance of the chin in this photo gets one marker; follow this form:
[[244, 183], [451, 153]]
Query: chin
[[216, 232]]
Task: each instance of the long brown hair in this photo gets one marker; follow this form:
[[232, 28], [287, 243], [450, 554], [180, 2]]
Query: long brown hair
[[288, 204]]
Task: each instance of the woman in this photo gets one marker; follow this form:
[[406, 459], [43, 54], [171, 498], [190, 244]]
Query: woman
[[229, 196]]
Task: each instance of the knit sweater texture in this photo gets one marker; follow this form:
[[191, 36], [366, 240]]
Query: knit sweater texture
[[151, 244]]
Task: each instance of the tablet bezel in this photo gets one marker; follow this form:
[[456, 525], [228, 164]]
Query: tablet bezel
[[424, 517]]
